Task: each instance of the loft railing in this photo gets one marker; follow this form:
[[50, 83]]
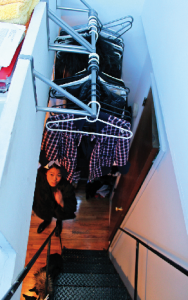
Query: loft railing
[[24, 272], [159, 254]]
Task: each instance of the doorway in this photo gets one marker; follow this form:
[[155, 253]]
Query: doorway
[[143, 151]]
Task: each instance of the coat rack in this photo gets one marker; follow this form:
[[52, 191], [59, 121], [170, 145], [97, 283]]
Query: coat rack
[[94, 26], [85, 48]]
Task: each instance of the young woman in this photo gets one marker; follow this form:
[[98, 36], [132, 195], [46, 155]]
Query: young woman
[[54, 197]]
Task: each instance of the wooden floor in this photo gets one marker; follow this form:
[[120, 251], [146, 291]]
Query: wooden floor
[[89, 230]]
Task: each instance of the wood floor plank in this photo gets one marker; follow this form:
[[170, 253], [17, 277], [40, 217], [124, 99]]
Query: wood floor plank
[[89, 230]]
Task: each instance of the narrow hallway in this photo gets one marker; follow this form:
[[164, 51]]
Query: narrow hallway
[[89, 230]]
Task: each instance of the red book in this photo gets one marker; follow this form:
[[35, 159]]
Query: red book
[[7, 72]]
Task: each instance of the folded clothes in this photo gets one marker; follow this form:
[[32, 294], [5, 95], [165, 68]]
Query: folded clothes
[[3, 2], [17, 12]]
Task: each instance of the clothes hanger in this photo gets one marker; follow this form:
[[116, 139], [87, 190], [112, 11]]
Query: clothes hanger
[[121, 113], [101, 94], [124, 25], [101, 75], [110, 86], [122, 130], [104, 29], [67, 42], [118, 94]]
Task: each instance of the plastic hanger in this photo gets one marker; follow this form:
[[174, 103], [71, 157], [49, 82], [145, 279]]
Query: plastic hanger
[[122, 130], [56, 94]]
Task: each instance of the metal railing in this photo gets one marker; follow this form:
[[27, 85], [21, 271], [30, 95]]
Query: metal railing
[[24, 272], [159, 254]]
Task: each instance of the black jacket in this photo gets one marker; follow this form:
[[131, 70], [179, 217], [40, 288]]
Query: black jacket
[[44, 204]]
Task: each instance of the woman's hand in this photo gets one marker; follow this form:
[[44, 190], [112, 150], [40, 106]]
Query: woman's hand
[[59, 198]]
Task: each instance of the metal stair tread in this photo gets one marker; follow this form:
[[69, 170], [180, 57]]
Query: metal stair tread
[[89, 280], [86, 259], [80, 252], [85, 293], [71, 267]]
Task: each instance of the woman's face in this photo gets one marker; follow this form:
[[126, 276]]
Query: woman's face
[[53, 176]]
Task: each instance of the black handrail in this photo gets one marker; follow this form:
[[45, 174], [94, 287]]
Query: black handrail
[[165, 258], [136, 271], [168, 260], [24, 272]]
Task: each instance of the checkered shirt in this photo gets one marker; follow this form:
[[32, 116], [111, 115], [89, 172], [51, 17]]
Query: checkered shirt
[[62, 145], [108, 150]]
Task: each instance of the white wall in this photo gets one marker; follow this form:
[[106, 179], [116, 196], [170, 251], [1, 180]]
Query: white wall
[[159, 213], [157, 218], [165, 24], [21, 130]]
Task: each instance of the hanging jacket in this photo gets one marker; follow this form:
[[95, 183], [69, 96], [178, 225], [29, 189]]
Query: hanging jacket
[[109, 100], [104, 96], [110, 60]]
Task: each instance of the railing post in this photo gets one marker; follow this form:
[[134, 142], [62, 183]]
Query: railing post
[[61, 241], [47, 266], [136, 271], [24, 272]]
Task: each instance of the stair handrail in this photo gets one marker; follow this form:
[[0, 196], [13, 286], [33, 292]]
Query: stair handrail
[[158, 253], [24, 272]]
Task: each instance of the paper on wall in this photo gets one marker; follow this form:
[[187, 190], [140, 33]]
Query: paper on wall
[[10, 37]]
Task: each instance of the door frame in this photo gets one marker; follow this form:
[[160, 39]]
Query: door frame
[[162, 151]]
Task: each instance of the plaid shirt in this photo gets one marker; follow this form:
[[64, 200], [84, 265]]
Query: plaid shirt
[[62, 145], [107, 150]]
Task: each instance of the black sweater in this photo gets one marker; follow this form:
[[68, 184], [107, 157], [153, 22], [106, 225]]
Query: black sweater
[[44, 204]]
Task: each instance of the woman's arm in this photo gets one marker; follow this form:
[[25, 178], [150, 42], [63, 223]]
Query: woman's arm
[[59, 197], [69, 198]]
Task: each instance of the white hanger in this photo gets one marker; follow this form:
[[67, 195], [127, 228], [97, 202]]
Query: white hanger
[[122, 130]]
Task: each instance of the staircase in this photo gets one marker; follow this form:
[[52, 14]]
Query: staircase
[[88, 274]]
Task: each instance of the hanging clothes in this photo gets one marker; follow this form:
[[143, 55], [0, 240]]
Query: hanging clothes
[[63, 147], [101, 83], [110, 57], [110, 150], [110, 101], [106, 150]]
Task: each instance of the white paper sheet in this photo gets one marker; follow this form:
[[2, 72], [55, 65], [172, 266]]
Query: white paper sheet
[[10, 37]]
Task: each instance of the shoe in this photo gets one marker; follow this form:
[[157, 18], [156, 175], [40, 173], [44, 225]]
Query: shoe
[[58, 228], [42, 226]]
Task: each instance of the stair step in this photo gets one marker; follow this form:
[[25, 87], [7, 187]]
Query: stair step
[[89, 280], [90, 293], [88, 275], [71, 267], [90, 253], [86, 259]]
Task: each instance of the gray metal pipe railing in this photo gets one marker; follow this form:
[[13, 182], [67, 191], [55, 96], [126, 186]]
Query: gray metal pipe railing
[[63, 92], [68, 48], [70, 31]]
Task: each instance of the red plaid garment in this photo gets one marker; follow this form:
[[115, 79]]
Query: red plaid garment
[[62, 145], [108, 150]]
